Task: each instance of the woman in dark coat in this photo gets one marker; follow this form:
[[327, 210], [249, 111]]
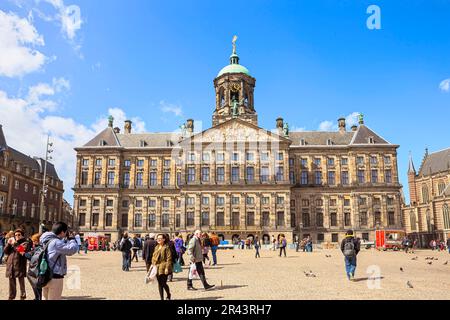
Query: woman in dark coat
[[16, 264]]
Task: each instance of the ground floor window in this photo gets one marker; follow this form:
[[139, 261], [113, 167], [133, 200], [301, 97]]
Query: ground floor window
[[334, 237], [365, 236], [320, 237], [82, 220], [391, 218]]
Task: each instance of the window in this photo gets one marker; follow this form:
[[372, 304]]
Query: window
[[140, 163], [191, 156], [425, 194], [14, 207], [250, 219], [97, 177], [205, 174], [331, 178], [96, 203], [110, 178], [34, 190], [363, 218], [124, 203], [292, 177], [333, 219], [220, 219], [191, 174], [235, 219], [280, 218], [361, 176], [235, 156], [344, 161], [319, 219], [190, 219], [190, 201], [264, 156], [26, 187], [305, 219], [280, 156], [82, 203], [153, 179], [235, 200], [377, 217], [220, 157], [305, 203], [373, 160], [109, 202], [139, 179], [347, 219], [152, 203], [291, 162], [220, 174], [304, 163], [250, 156], [178, 203], [279, 173], [441, 188], [111, 162], [346, 202], [205, 219], [3, 180], [304, 178], [16, 185], [280, 200], [362, 201], [333, 202], [138, 203], [205, 157], [318, 177], [317, 162], [166, 163], [177, 221], [390, 201], [82, 219], [179, 178], [205, 201], [265, 200], [387, 160], [266, 219], [250, 201], [108, 220], [264, 174], [319, 203], [446, 215], [138, 220], [220, 201], [165, 220], [153, 162], [24, 208], [166, 178], [344, 178], [127, 163], [166, 204], [124, 220], [85, 162], [95, 219], [250, 173], [391, 218], [320, 237], [388, 176], [152, 220], [376, 201], [360, 160], [235, 174], [331, 161]]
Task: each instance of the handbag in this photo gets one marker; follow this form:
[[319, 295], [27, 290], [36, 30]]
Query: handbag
[[151, 275], [193, 274], [177, 267]]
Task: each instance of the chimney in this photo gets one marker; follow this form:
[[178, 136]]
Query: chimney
[[341, 125], [190, 126], [354, 128], [117, 130], [127, 128]]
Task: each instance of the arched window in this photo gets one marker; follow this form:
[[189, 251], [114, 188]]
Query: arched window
[[412, 220], [446, 214], [429, 223], [441, 188], [425, 195]]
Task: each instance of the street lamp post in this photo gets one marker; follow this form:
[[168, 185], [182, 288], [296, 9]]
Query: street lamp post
[[44, 185]]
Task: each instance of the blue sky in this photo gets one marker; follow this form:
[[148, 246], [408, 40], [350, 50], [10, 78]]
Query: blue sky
[[154, 62]]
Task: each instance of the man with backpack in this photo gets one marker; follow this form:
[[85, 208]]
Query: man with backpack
[[136, 247], [214, 245], [350, 247], [58, 245], [125, 246]]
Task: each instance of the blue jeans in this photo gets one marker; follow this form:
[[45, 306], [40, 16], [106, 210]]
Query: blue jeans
[[126, 260], [257, 252], [213, 252], [1, 254], [350, 266]]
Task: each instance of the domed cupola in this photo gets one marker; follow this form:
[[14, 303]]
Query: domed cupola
[[234, 92]]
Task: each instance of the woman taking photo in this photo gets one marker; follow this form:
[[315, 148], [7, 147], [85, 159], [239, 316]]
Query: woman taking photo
[[162, 260], [16, 263]]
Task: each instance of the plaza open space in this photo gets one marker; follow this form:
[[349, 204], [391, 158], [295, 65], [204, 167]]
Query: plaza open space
[[240, 276]]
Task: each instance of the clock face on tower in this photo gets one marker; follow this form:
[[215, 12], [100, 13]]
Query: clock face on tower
[[235, 87]]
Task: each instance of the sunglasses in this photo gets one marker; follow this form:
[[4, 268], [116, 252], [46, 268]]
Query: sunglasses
[[18, 235]]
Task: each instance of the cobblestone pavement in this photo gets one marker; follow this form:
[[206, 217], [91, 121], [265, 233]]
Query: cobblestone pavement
[[240, 276]]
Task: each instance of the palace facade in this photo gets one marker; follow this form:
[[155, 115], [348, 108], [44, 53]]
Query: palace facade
[[428, 213], [21, 178], [236, 178]]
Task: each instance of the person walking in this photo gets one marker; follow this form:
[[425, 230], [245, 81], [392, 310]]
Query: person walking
[[274, 243], [173, 252], [194, 251], [350, 247], [309, 244], [2, 246], [78, 240], [136, 245], [35, 239], [180, 248], [215, 241], [162, 260], [149, 249], [16, 263], [59, 246], [283, 245], [125, 246], [257, 245], [206, 243]]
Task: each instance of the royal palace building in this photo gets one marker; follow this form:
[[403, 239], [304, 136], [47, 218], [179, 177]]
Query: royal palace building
[[21, 179], [236, 178], [428, 213]]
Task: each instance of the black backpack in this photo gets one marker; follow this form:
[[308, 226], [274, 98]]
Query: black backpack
[[126, 245], [207, 242], [349, 249], [39, 272]]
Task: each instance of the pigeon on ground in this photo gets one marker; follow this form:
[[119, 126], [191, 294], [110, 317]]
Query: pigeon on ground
[[328, 256], [409, 285], [430, 263], [446, 263], [401, 269], [310, 274], [436, 259], [416, 258]]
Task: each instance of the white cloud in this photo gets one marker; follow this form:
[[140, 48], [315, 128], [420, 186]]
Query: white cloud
[[327, 126], [35, 94], [119, 121], [68, 16], [26, 128], [445, 85], [350, 120], [18, 36], [171, 108]]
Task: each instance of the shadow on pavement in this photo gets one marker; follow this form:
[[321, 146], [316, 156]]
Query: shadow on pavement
[[219, 288], [208, 298], [368, 278], [82, 298]]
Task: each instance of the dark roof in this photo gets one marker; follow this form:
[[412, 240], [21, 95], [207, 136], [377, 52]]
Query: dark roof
[[51, 171], [106, 138], [320, 138], [33, 163], [436, 162], [363, 134]]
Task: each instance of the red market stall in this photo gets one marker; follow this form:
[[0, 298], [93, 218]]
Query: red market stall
[[96, 242]]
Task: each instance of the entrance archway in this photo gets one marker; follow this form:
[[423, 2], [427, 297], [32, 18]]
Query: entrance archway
[[235, 239], [266, 239]]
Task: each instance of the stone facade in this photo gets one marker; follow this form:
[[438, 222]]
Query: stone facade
[[20, 189], [238, 179], [427, 216]]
